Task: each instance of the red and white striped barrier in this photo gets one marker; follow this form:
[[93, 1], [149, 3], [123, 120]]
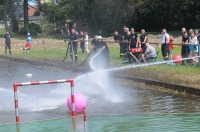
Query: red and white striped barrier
[[16, 85], [84, 118]]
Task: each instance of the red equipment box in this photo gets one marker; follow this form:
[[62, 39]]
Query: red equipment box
[[136, 50]]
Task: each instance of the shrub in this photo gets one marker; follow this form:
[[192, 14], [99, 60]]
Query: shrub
[[33, 28]]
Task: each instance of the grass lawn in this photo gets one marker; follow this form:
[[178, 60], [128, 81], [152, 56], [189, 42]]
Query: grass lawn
[[53, 51]]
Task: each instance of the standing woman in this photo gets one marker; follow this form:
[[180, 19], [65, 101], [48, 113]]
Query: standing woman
[[193, 47], [86, 42], [185, 48]]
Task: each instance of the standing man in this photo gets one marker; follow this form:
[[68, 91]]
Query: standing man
[[74, 27], [133, 39], [143, 40], [73, 45], [82, 41], [65, 32], [103, 59], [119, 39], [94, 43], [165, 44], [7, 42]]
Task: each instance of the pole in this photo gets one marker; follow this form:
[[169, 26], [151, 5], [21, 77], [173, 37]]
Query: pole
[[84, 118], [16, 108], [73, 106]]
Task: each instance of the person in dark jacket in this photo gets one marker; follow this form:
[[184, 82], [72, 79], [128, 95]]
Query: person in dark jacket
[[7, 42]]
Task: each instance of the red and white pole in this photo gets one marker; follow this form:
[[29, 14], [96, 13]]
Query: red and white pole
[[84, 118], [16, 108]]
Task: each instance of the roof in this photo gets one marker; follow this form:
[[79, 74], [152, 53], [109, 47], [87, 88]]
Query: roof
[[31, 10]]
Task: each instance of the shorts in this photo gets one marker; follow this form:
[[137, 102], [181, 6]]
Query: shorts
[[148, 56], [170, 52], [196, 49]]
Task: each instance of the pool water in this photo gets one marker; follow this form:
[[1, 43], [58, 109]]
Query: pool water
[[116, 123], [112, 107]]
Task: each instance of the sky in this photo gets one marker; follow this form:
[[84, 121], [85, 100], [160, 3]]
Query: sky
[[31, 3]]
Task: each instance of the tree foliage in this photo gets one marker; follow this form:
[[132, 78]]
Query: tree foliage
[[110, 15]]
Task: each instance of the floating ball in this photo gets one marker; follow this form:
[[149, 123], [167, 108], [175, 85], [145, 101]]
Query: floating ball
[[177, 59], [29, 75], [80, 102]]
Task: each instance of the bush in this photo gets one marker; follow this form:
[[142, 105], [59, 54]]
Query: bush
[[33, 28]]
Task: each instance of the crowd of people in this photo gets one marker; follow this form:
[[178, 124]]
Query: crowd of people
[[190, 44], [127, 40], [75, 37]]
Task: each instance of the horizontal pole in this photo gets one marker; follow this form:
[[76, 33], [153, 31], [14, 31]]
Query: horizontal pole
[[44, 82]]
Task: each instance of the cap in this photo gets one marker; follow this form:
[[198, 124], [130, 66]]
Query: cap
[[99, 37]]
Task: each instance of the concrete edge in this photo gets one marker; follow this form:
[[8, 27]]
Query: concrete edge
[[179, 88]]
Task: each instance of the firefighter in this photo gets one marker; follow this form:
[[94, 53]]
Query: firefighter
[[119, 39], [73, 45], [7, 42], [102, 51]]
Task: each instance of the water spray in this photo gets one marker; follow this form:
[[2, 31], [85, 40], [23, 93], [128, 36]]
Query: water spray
[[92, 60], [146, 64]]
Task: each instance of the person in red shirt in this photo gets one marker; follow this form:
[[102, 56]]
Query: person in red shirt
[[171, 47], [27, 46]]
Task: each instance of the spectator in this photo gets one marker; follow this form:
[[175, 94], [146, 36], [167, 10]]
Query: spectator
[[193, 47], [133, 39], [149, 53], [165, 44], [171, 47], [65, 32], [27, 46], [74, 27], [82, 42], [143, 40], [185, 48], [73, 45], [119, 39], [7, 42], [86, 39], [125, 40]]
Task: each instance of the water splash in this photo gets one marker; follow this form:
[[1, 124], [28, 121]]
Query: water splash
[[92, 62]]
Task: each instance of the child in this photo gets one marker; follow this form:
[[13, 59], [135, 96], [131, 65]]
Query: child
[[171, 47], [27, 46]]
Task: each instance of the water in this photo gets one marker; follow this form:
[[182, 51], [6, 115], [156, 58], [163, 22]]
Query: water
[[105, 96]]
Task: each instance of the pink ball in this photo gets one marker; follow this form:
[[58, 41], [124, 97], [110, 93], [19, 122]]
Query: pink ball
[[80, 102], [177, 57]]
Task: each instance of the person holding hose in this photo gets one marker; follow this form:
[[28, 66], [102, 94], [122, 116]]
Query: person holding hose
[[73, 45], [103, 57]]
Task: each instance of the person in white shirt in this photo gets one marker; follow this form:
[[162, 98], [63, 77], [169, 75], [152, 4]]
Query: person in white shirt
[[149, 53], [165, 44], [86, 42], [193, 45]]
